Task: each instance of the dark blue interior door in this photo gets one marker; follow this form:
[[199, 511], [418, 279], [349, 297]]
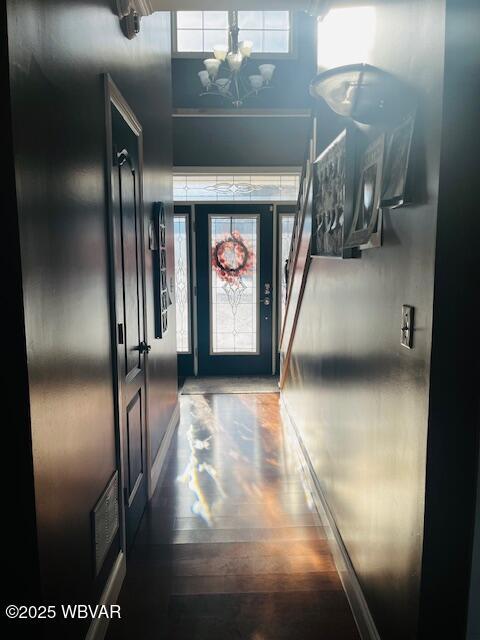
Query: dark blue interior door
[[234, 288]]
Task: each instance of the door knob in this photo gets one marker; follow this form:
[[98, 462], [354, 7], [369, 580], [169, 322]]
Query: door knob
[[266, 301], [143, 347]]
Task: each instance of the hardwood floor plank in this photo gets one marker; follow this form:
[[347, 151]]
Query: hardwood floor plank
[[155, 535], [256, 583], [229, 550], [262, 521]]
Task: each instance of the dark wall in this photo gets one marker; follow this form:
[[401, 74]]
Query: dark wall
[[453, 438], [21, 561], [360, 399], [58, 53], [247, 141], [216, 142]]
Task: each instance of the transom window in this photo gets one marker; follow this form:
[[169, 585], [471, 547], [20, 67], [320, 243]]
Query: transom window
[[255, 187], [200, 31]]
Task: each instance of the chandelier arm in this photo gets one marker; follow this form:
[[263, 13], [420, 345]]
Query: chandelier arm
[[233, 30], [217, 93]]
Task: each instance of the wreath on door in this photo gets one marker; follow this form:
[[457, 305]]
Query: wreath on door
[[232, 258]]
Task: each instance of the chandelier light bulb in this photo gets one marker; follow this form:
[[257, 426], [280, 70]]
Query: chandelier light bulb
[[212, 65], [266, 71], [234, 60], [256, 82], [220, 51], [245, 47]]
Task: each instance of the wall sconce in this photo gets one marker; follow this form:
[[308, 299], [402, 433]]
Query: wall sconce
[[363, 93], [130, 24], [130, 12]]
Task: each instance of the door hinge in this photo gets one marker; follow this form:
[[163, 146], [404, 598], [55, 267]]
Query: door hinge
[[195, 290]]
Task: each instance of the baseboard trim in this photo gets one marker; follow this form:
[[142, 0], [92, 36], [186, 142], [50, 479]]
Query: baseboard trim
[[98, 626], [351, 585], [157, 466]]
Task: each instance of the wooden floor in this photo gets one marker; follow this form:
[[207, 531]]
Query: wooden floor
[[229, 548]]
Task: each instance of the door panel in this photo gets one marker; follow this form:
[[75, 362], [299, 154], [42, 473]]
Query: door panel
[[131, 266], [132, 349], [234, 279], [134, 445]]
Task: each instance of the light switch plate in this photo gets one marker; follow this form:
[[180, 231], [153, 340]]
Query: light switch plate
[[407, 327]]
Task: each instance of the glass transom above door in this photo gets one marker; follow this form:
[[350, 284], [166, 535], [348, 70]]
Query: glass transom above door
[[254, 187]]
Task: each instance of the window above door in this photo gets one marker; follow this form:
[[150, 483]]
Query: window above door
[[195, 33], [236, 185]]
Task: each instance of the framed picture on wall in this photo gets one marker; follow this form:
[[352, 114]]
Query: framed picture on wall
[[365, 230], [397, 155], [333, 175], [157, 244]]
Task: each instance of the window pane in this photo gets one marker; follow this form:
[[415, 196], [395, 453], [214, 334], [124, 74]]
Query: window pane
[[286, 228], [275, 41], [233, 304], [250, 19], [200, 31], [215, 19], [276, 19], [189, 19], [255, 36], [182, 301], [213, 37], [189, 40], [245, 186]]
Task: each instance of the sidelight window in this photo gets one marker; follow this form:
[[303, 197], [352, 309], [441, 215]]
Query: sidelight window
[[182, 283], [286, 228]]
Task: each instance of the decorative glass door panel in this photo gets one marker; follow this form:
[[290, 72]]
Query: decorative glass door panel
[[233, 284], [182, 283], [234, 288], [286, 227], [184, 300]]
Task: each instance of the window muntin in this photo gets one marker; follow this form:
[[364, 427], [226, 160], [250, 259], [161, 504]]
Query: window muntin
[[268, 30], [200, 31]]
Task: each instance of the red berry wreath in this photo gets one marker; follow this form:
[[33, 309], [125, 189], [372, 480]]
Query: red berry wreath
[[231, 257]]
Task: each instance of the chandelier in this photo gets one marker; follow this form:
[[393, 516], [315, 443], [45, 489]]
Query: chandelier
[[225, 75]]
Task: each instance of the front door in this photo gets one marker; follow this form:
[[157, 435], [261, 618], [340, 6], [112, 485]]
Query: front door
[[234, 289], [132, 349]]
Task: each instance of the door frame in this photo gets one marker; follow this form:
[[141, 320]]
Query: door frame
[[113, 97], [240, 204], [277, 205]]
